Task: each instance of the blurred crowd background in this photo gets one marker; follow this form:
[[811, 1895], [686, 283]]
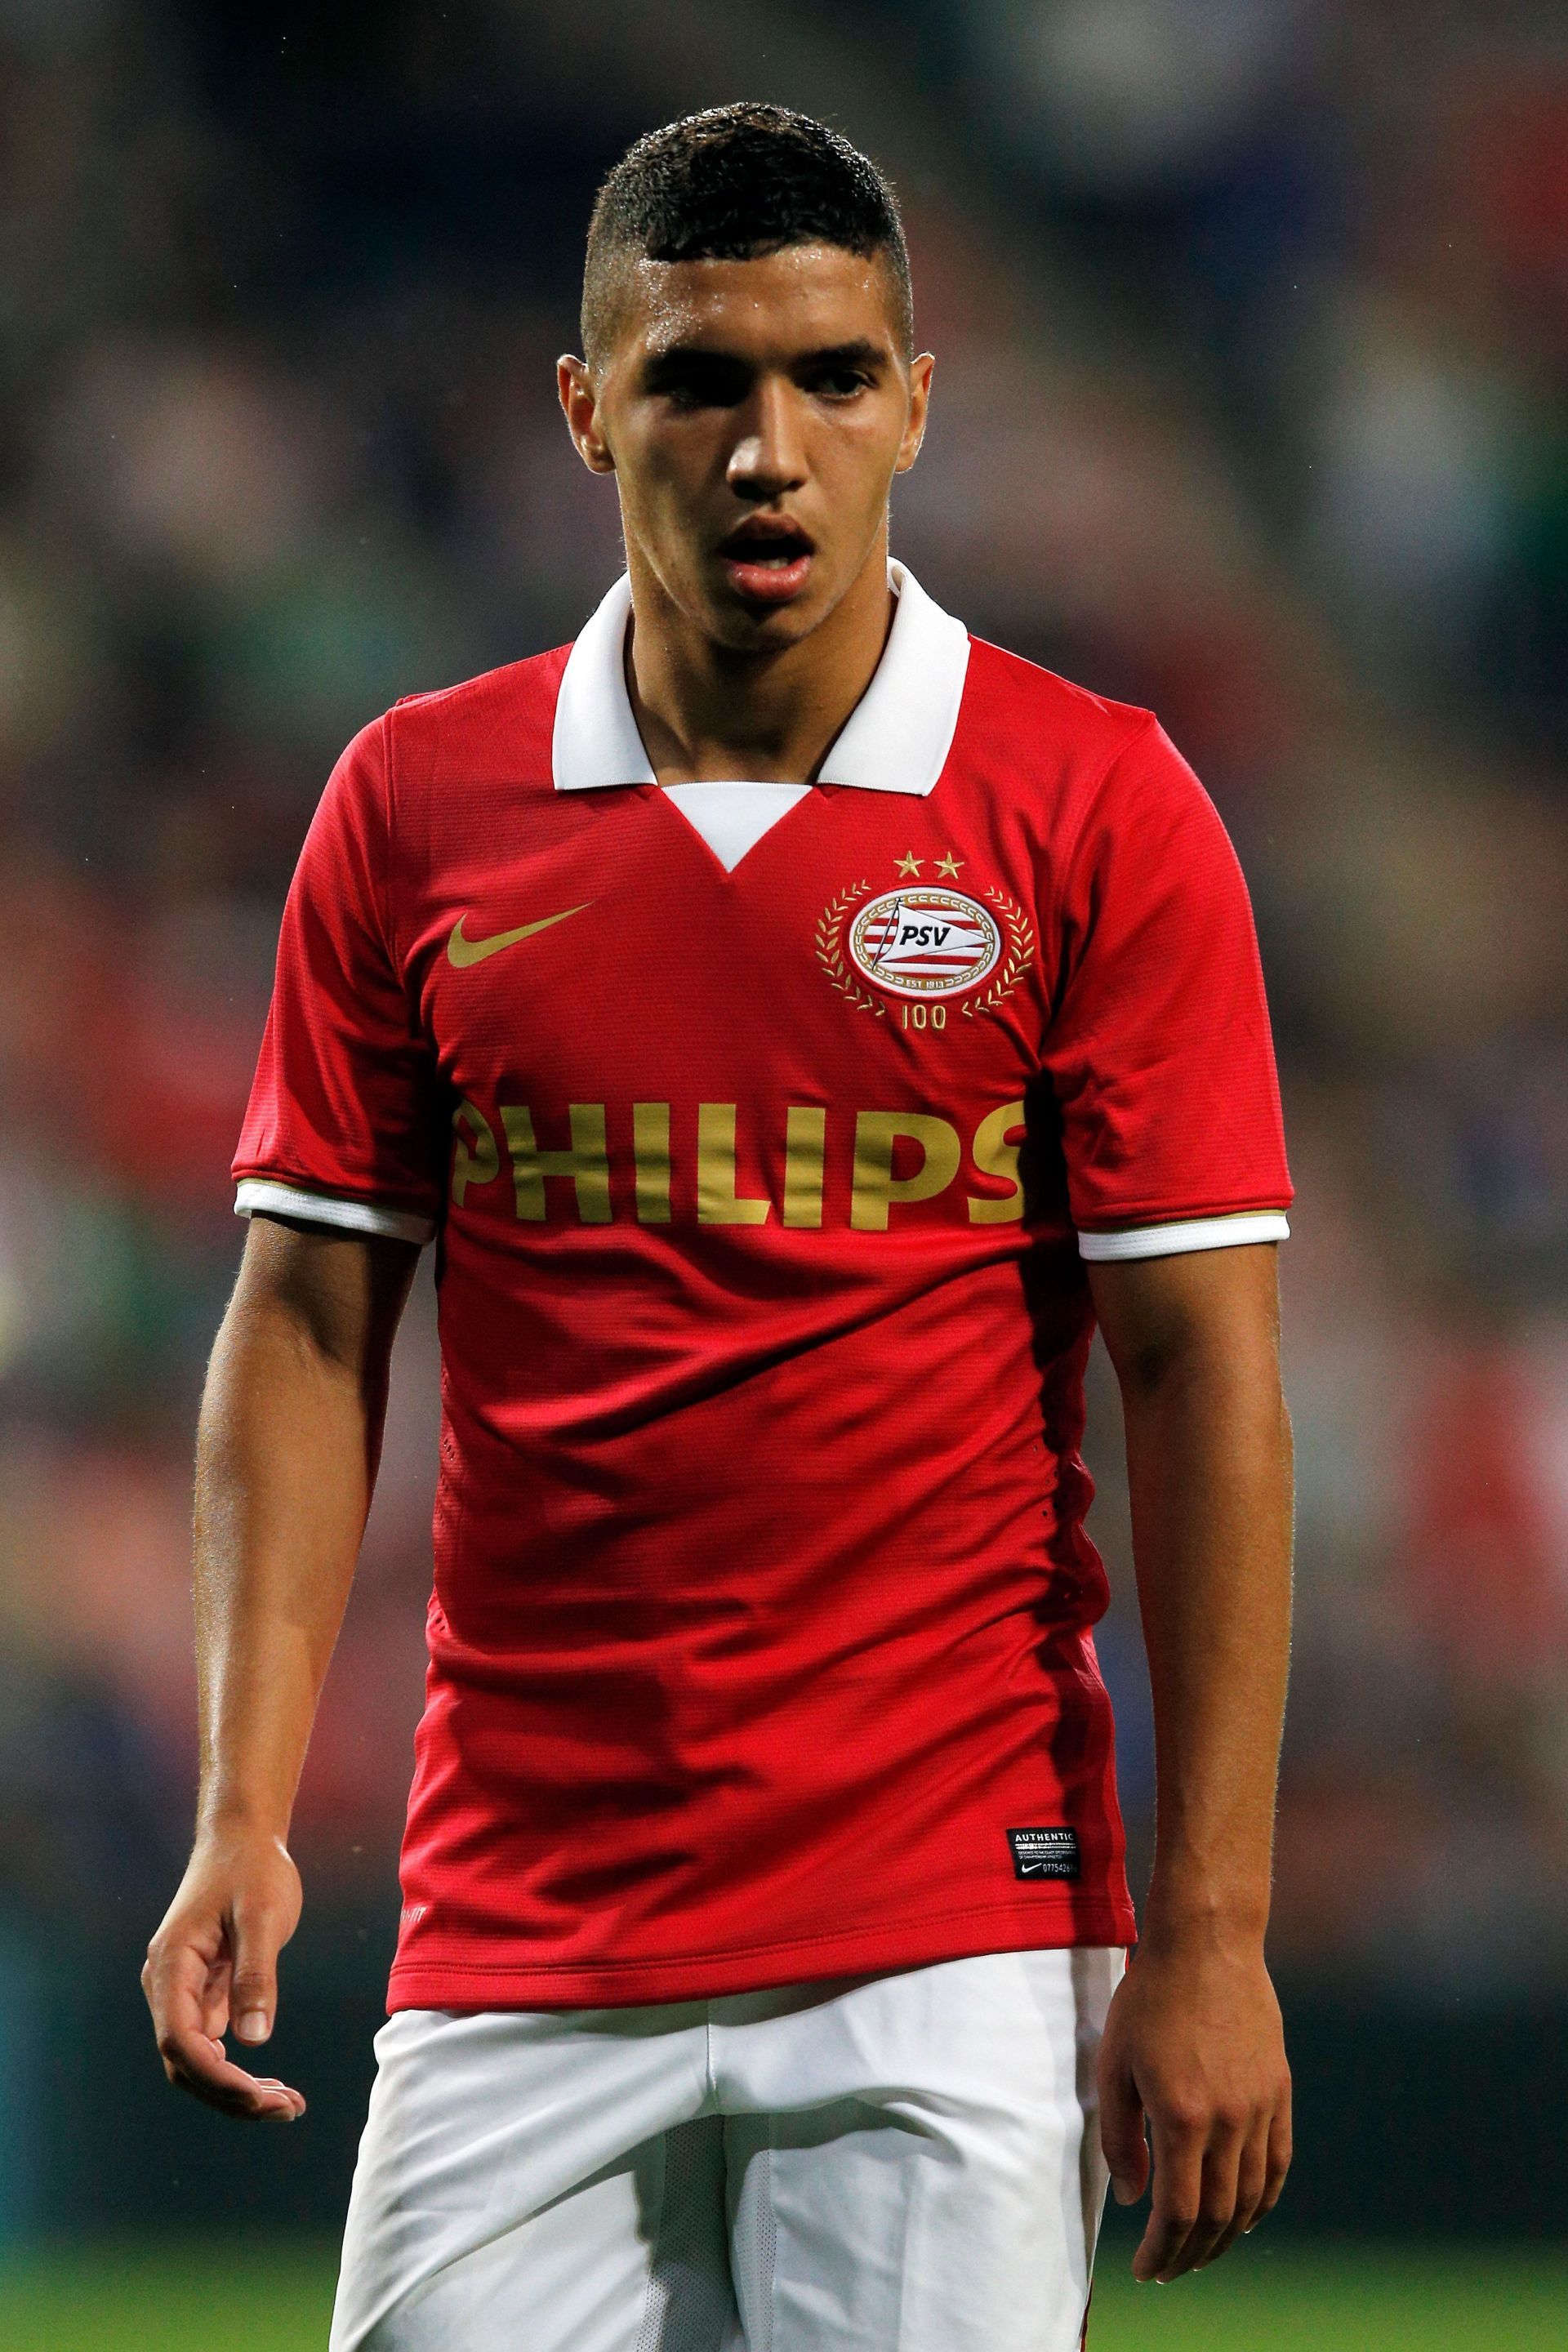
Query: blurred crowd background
[[1251, 323]]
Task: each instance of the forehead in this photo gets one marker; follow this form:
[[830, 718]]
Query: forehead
[[803, 298]]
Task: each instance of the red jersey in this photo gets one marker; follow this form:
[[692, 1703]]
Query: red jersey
[[762, 1131]]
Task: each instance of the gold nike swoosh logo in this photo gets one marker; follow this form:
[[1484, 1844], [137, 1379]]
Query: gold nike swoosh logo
[[463, 952]]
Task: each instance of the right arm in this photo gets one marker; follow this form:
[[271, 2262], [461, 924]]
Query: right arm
[[288, 1444]]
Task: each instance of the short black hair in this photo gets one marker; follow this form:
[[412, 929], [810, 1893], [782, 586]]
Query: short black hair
[[731, 185]]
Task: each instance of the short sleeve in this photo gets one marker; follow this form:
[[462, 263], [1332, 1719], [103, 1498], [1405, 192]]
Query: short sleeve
[[340, 1127], [1159, 1049]]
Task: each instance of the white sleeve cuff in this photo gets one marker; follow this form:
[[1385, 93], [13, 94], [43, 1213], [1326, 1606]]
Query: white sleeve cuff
[[1196, 1234], [330, 1209]]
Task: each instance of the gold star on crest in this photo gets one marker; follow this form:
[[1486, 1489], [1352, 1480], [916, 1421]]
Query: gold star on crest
[[909, 863], [948, 865]]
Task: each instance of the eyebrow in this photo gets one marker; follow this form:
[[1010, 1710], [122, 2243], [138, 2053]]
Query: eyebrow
[[859, 351]]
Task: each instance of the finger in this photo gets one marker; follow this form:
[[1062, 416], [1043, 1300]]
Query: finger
[[197, 2064], [1121, 2134], [1251, 2179], [1217, 2195], [175, 1981], [214, 1999], [1279, 2152], [255, 1935], [1178, 2190]]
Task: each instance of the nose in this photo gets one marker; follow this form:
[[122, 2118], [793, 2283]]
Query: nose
[[769, 456]]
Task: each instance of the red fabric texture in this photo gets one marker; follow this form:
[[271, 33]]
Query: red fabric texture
[[762, 1602]]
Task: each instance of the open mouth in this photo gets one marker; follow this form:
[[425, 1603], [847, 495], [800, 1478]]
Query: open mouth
[[768, 558]]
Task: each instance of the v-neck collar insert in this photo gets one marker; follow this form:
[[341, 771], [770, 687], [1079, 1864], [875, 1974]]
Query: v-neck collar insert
[[733, 818]]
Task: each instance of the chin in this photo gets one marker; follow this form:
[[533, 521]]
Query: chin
[[736, 622], [778, 624]]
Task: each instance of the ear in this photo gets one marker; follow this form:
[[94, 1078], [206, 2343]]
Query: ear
[[580, 406], [920, 399]]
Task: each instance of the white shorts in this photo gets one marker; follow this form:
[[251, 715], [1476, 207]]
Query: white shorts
[[906, 2162]]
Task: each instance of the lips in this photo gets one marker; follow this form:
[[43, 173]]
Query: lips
[[768, 559]]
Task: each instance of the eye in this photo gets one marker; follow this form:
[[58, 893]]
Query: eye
[[841, 383], [693, 382]]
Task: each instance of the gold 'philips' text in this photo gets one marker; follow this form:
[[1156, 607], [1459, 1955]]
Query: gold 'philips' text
[[877, 1132], [718, 1203], [475, 1158], [587, 1163], [929, 1149]]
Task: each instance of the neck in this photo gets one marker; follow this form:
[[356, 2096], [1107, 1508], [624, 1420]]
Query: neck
[[708, 714]]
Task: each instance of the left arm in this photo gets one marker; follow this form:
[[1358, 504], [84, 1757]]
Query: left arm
[[1194, 2039]]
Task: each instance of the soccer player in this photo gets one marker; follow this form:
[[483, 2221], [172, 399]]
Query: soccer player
[[796, 1022]]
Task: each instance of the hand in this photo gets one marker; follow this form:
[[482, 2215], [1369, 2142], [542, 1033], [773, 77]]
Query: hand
[[214, 1962], [1194, 2042]]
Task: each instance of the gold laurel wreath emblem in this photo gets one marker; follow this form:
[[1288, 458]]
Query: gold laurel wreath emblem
[[1020, 953], [830, 949]]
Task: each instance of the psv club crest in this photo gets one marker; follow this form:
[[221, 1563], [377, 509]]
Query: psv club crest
[[924, 942]]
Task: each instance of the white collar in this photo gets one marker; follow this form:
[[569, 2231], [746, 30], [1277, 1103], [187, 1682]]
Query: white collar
[[896, 740]]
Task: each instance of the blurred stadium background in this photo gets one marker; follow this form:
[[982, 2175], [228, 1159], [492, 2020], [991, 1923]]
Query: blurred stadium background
[[1251, 320]]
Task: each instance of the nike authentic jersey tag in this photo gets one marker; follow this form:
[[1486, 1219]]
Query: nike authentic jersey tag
[[1044, 1853]]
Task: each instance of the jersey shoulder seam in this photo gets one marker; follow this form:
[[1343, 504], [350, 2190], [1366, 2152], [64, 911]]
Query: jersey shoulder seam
[[424, 697], [388, 822], [1041, 678], [1145, 724]]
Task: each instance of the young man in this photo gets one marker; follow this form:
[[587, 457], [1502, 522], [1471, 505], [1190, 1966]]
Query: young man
[[796, 1023]]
